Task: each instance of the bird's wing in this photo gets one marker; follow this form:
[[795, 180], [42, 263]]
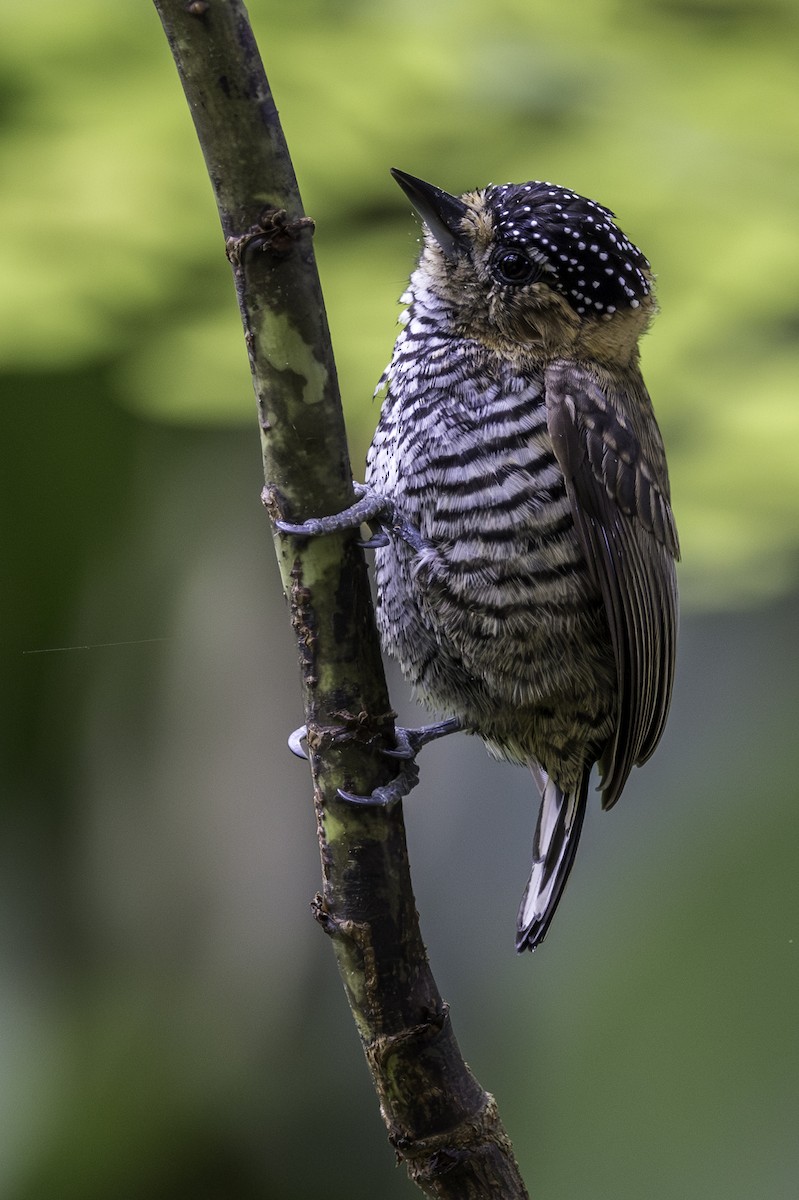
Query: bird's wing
[[618, 489]]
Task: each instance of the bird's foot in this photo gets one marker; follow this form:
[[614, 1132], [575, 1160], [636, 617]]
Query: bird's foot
[[409, 743], [370, 507], [389, 793]]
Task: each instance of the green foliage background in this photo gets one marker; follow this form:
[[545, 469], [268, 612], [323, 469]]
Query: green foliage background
[[682, 116], [172, 1023]]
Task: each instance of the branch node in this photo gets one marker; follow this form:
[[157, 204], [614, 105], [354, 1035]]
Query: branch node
[[431, 1157], [356, 932], [361, 729], [273, 233], [273, 502], [412, 1037], [322, 915]]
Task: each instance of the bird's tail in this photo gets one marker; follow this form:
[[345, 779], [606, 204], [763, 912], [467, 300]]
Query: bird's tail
[[557, 833]]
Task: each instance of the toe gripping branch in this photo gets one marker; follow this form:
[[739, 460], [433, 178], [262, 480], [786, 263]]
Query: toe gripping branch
[[409, 743], [369, 508], [372, 508]]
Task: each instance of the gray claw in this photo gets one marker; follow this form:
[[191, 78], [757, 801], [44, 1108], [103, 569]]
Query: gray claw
[[295, 742], [375, 542], [310, 528], [390, 793], [409, 534]]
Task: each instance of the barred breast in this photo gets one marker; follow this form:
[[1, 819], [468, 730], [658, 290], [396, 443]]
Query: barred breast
[[497, 620]]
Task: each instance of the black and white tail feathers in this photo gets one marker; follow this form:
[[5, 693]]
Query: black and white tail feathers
[[557, 833]]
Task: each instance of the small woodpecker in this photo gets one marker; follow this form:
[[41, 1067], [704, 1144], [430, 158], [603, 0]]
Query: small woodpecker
[[528, 585]]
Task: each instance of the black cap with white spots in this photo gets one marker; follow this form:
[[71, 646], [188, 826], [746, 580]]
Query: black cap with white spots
[[575, 240]]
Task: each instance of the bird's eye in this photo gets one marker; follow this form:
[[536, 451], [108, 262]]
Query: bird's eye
[[513, 267]]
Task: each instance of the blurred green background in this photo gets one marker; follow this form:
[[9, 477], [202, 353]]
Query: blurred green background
[[171, 1021]]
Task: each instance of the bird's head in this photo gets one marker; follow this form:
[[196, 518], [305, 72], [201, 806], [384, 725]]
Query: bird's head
[[533, 270]]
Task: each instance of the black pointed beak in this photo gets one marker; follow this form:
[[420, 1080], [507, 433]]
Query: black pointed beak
[[442, 214]]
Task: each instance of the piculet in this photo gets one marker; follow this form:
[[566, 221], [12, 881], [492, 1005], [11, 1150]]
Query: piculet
[[527, 588]]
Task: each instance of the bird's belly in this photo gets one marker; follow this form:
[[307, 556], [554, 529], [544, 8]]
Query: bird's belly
[[497, 619], [503, 627], [522, 624]]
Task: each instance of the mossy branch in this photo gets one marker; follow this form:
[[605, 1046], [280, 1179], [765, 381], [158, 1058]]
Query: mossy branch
[[439, 1119]]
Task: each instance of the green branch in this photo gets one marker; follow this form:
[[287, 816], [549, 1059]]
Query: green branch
[[439, 1119]]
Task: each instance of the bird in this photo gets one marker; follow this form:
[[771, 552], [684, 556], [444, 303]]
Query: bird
[[528, 586]]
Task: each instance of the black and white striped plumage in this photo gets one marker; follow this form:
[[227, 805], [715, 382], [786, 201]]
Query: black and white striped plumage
[[518, 439]]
